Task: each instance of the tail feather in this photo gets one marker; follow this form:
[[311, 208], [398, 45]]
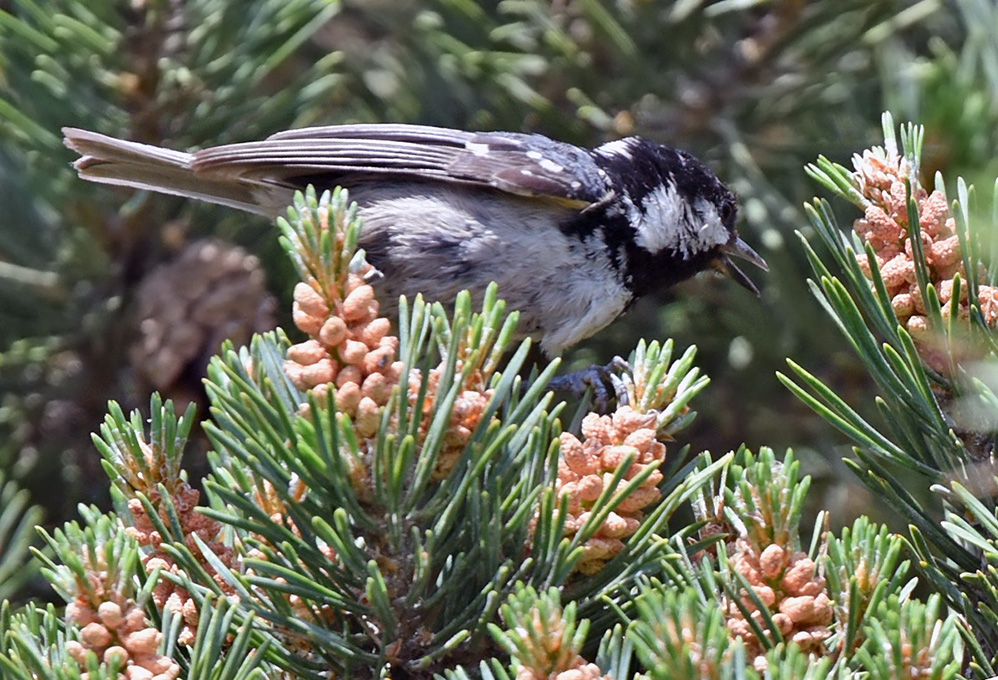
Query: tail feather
[[143, 166]]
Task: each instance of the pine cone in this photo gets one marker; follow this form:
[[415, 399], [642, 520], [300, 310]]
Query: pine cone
[[185, 308], [881, 177], [119, 631], [586, 466], [792, 588]]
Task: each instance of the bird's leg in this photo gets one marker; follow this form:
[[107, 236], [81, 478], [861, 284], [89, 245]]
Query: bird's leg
[[601, 379]]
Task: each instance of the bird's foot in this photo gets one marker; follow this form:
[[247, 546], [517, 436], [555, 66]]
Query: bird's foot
[[604, 381]]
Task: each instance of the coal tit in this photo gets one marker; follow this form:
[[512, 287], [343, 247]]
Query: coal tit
[[573, 236]]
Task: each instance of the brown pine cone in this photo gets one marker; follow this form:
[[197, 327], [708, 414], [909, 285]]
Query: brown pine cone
[[185, 308]]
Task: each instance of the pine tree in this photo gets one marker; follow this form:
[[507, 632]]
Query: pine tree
[[395, 506], [413, 502]]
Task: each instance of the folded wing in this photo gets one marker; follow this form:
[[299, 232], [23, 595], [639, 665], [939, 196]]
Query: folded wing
[[257, 176]]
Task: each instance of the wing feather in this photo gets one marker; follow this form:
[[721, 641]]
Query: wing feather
[[529, 165]]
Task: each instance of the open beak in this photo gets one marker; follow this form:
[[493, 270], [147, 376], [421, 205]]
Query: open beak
[[738, 248]]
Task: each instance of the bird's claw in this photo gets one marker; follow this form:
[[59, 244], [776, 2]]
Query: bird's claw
[[601, 379]]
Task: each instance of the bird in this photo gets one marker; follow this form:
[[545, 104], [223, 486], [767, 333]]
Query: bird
[[573, 236]]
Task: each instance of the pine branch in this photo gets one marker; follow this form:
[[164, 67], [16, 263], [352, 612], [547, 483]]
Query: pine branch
[[917, 307], [17, 517]]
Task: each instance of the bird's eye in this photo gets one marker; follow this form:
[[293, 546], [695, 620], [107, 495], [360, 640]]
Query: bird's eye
[[728, 213]]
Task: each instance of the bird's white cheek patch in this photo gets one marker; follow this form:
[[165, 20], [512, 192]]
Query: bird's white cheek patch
[[665, 221], [670, 223], [712, 230]]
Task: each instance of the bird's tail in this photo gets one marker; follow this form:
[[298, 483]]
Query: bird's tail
[[143, 166]]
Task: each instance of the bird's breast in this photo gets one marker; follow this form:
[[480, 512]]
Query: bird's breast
[[439, 241]]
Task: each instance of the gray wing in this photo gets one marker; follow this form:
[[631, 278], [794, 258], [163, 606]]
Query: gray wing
[[530, 165]]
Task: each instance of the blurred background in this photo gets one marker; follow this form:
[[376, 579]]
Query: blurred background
[[107, 293]]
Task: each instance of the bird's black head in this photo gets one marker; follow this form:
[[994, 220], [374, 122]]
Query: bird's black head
[[682, 215]]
